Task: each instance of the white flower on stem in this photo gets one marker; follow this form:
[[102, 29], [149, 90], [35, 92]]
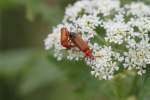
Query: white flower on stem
[[104, 66], [87, 24], [117, 31], [74, 11], [142, 23], [138, 55], [138, 9], [105, 7], [53, 39]]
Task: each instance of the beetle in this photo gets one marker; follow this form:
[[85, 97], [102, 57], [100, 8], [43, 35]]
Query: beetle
[[65, 38], [72, 39], [76, 38]]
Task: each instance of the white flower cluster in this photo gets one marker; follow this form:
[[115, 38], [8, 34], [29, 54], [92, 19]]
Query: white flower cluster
[[138, 55], [105, 65], [117, 35]]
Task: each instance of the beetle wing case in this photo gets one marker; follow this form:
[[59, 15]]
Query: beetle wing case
[[78, 41], [65, 38]]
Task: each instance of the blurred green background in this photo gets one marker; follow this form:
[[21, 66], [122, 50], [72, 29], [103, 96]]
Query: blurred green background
[[28, 72]]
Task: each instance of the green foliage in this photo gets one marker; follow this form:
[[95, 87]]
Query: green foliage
[[28, 75], [32, 75]]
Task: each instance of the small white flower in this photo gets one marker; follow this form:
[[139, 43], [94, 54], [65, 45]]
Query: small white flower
[[138, 9], [117, 31], [103, 66], [142, 23], [87, 24], [138, 55]]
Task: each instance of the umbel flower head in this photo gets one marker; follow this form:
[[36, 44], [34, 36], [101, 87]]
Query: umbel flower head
[[118, 36]]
